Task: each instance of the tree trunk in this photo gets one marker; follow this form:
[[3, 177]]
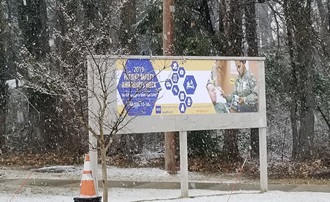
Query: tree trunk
[[328, 5], [233, 28], [251, 38], [264, 27], [170, 151], [61, 27], [232, 24], [304, 37], [103, 151], [298, 15], [3, 91], [293, 84], [126, 34], [230, 147], [129, 46], [251, 29], [324, 26], [222, 16], [206, 17], [307, 103]]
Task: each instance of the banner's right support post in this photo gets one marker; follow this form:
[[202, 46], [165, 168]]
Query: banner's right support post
[[184, 164], [263, 160]]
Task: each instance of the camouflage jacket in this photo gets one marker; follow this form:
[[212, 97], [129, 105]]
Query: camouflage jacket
[[246, 87]]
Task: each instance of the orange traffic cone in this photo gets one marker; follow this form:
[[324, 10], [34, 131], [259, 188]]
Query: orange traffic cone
[[87, 188]]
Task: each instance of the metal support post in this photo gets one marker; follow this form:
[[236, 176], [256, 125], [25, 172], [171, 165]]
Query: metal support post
[[184, 164], [263, 160]]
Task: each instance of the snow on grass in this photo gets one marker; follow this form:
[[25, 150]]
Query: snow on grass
[[67, 193], [56, 169], [114, 173], [138, 195]]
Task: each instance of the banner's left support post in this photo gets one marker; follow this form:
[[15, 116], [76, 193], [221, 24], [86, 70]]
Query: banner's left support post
[[93, 159]]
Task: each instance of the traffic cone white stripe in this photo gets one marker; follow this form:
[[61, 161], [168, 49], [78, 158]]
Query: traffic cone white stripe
[[87, 188], [87, 177], [87, 165]]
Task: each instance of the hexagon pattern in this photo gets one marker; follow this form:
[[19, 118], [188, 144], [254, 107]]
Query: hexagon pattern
[[189, 102], [182, 108], [174, 66], [189, 86], [181, 72], [182, 96], [168, 84], [175, 78], [175, 90]]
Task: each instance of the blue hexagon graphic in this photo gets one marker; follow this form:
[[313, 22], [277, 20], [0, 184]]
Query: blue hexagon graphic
[[168, 84], [175, 90], [174, 66], [182, 96], [190, 84], [181, 72], [175, 78], [189, 102], [138, 87], [182, 108]]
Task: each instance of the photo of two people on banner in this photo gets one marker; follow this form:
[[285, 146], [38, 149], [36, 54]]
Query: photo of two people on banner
[[244, 97]]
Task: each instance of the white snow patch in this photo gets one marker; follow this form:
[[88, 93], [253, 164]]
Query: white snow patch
[[56, 169], [115, 173], [173, 195], [67, 193]]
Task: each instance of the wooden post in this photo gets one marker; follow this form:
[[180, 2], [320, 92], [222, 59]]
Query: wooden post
[[93, 159], [168, 28]]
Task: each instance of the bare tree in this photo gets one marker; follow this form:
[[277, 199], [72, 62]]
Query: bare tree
[[81, 29], [104, 120]]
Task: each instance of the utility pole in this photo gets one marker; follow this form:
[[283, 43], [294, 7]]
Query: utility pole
[[168, 39]]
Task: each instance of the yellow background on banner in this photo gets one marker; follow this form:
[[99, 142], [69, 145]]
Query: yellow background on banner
[[173, 109], [159, 65]]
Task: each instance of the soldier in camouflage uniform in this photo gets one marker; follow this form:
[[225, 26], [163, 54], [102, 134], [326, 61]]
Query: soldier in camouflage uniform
[[245, 94]]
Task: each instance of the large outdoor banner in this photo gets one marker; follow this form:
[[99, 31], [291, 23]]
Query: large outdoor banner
[[148, 94], [139, 94], [153, 87]]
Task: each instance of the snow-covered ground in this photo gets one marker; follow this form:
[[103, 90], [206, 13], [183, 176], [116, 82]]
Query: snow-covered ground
[[161, 195], [114, 173], [19, 193]]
